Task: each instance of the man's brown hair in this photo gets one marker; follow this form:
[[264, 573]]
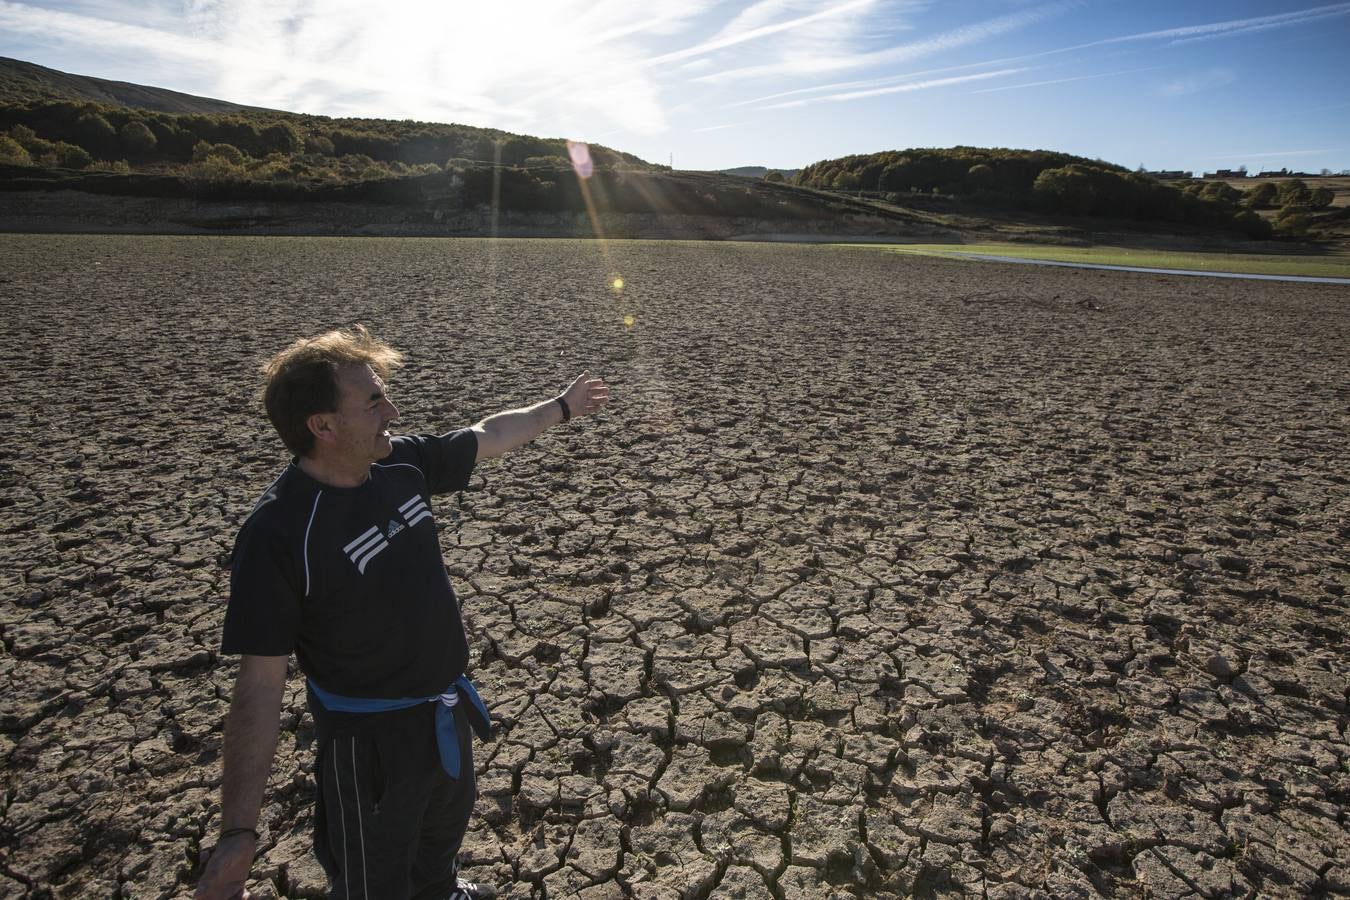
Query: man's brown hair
[[302, 379]]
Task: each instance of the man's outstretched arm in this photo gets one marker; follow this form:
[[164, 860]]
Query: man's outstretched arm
[[250, 744], [508, 430]]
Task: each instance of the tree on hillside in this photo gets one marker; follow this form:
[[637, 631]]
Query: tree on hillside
[[1294, 192], [1220, 191], [282, 137], [775, 177], [980, 176], [95, 134], [1292, 220], [1261, 196], [69, 156], [137, 140], [226, 152], [12, 152], [845, 181], [320, 144]]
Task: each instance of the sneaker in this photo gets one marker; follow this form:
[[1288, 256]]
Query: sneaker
[[471, 890]]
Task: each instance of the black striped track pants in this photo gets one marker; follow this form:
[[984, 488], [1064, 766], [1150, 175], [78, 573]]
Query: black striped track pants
[[389, 821]]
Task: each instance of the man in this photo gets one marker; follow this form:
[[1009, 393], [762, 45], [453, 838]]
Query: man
[[339, 563]]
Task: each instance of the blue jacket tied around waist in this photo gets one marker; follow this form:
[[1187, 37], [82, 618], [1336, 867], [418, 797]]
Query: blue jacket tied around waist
[[446, 739]]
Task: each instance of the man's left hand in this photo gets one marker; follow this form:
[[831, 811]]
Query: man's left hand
[[586, 395]]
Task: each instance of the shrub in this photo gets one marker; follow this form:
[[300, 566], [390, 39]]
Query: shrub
[[116, 167], [1292, 220], [1321, 198], [774, 177], [24, 136], [227, 152], [318, 143], [1261, 196], [218, 168], [137, 139], [69, 156], [1252, 225], [1220, 191], [845, 181], [283, 137], [95, 134], [980, 175], [12, 152], [1293, 193]]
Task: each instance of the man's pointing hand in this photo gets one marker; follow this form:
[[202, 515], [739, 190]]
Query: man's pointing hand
[[586, 395]]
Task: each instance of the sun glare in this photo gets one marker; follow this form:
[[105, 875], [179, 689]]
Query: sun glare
[[617, 284]]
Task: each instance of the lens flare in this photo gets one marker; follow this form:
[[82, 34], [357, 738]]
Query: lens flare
[[580, 154], [628, 320], [617, 284]]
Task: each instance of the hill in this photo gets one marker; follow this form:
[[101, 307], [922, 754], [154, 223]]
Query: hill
[[24, 82], [1031, 180], [66, 138], [126, 127], [759, 172], [78, 153]]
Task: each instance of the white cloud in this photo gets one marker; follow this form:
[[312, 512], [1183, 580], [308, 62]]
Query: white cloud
[[1229, 28], [750, 26], [844, 59], [1030, 84], [898, 88]]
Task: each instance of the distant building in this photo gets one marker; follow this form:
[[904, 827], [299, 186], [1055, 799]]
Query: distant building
[[1170, 174], [1227, 173]]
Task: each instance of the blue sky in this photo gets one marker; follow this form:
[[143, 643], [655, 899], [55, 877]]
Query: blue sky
[[780, 83]]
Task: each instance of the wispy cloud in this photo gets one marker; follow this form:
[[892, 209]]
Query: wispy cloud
[[898, 88], [733, 35], [1228, 28], [861, 83], [1031, 84], [1196, 83], [953, 39], [1236, 27]]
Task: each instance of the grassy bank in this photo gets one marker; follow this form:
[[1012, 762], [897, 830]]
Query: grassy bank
[[1336, 266]]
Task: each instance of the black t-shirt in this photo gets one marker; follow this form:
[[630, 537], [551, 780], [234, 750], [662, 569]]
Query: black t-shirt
[[352, 579]]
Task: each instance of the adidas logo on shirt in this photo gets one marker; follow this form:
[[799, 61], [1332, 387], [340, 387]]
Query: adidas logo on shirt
[[371, 542], [366, 547], [415, 510]]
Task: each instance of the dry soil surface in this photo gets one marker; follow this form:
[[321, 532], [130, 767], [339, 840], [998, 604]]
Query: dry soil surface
[[880, 574]]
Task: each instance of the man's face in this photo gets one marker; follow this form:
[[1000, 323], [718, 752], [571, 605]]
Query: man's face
[[364, 415]]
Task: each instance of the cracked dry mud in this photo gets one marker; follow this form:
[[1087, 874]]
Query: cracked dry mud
[[880, 575]]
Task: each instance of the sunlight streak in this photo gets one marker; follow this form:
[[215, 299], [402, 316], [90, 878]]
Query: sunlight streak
[[580, 154]]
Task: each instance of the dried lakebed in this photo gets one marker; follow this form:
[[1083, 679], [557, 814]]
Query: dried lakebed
[[881, 575]]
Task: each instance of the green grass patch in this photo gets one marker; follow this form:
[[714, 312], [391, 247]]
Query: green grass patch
[[1243, 263]]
